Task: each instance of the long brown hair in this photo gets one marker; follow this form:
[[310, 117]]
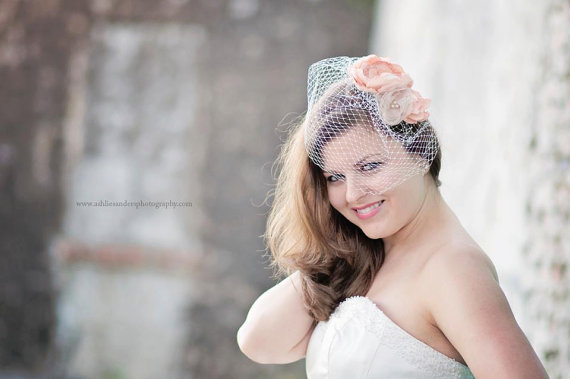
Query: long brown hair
[[304, 232]]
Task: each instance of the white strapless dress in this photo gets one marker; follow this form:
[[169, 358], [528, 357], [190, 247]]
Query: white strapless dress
[[359, 341]]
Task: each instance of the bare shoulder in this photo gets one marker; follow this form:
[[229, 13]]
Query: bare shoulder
[[460, 291], [460, 276], [465, 257]]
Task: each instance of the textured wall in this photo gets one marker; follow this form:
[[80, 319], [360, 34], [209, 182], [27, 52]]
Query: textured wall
[[140, 144], [498, 77], [147, 100], [547, 245], [33, 63]]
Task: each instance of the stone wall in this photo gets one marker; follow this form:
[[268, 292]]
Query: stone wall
[[547, 244], [118, 100], [140, 144]]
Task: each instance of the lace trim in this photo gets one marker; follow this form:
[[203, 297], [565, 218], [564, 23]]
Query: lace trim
[[418, 353]]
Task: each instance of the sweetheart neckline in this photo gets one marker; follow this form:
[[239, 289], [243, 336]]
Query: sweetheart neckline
[[381, 312]]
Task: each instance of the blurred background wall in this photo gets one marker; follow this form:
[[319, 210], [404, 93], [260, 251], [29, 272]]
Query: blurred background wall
[[115, 102], [139, 105]]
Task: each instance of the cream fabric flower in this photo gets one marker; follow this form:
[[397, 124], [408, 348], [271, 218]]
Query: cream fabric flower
[[402, 104]]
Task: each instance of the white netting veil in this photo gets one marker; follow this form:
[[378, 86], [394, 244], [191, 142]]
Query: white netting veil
[[365, 125]]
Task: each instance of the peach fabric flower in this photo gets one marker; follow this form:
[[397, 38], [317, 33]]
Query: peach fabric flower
[[377, 74], [397, 101], [418, 110]]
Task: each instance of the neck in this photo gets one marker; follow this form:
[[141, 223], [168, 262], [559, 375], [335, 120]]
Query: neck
[[432, 213]]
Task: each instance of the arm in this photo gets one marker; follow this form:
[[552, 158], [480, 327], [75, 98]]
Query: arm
[[277, 327], [470, 308]]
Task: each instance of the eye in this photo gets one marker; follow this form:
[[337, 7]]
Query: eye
[[370, 166], [334, 178]]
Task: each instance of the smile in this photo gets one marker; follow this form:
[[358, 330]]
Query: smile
[[369, 211]]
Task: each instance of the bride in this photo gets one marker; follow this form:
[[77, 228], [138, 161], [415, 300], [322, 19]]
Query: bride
[[382, 279]]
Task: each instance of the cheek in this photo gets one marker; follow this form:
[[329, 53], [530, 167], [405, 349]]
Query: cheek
[[336, 196], [403, 204], [383, 180]]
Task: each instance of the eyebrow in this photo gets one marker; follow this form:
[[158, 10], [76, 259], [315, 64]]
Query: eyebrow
[[356, 164], [365, 157]]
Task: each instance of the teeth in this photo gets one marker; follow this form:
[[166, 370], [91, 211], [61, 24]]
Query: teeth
[[370, 208]]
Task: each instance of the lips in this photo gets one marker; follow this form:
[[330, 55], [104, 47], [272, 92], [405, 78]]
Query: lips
[[367, 205], [368, 210]]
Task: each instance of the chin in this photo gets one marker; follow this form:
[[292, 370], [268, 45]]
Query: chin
[[374, 233]]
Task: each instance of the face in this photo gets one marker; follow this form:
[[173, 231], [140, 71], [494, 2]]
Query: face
[[360, 169]]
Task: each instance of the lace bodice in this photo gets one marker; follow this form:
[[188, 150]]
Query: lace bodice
[[359, 341]]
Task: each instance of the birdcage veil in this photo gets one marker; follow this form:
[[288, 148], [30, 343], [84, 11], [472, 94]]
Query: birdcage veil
[[365, 125]]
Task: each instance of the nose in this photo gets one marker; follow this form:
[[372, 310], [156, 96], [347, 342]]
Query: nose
[[354, 191]]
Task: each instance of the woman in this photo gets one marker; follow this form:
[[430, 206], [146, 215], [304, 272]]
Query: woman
[[384, 282]]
